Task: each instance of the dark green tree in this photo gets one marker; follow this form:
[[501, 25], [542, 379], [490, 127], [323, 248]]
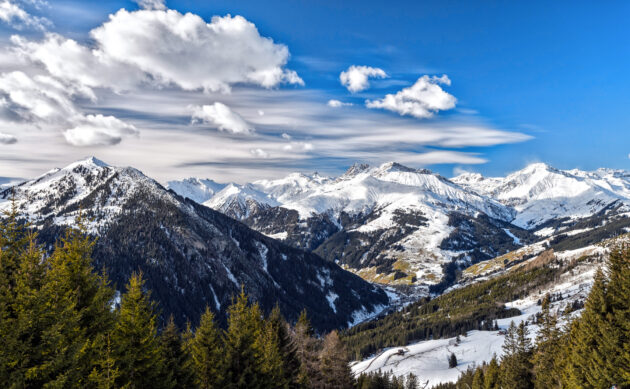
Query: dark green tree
[[243, 354], [178, 369], [207, 354], [136, 345], [515, 364], [286, 346], [547, 349]]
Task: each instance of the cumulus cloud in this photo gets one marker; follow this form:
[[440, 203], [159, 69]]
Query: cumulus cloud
[[356, 78], [421, 100], [39, 99], [337, 104], [99, 130], [7, 139], [259, 153], [16, 17], [151, 4], [184, 50], [165, 47], [85, 68], [222, 117]]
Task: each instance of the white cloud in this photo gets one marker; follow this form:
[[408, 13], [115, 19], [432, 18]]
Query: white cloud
[[99, 130], [7, 139], [184, 50], [298, 146], [221, 117], [151, 4], [40, 99], [337, 104], [356, 78], [259, 153], [16, 17], [79, 65], [421, 100], [286, 136]]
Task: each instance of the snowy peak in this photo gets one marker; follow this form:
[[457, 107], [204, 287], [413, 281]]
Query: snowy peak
[[196, 189], [540, 192], [356, 169]]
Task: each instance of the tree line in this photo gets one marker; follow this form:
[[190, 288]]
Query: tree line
[[591, 351], [62, 325]]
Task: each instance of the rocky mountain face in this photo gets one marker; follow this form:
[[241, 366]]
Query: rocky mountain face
[[192, 256], [396, 225]]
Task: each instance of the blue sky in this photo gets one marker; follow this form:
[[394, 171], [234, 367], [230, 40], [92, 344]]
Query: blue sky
[[549, 81]]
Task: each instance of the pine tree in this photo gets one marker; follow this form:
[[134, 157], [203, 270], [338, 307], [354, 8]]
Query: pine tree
[[205, 349], [78, 312], [136, 344], [104, 374], [178, 371], [243, 355], [452, 361], [287, 348], [478, 379], [21, 306], [616, 338], [586, 360], [516, 365], [492, 375], [548, 344], [334, 363]]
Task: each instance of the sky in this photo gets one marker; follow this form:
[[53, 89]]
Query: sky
[[243, 90]]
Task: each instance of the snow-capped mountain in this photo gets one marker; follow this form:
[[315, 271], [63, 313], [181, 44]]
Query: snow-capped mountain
[[191, 255], [540, 193], [398, 225], [390, 223]]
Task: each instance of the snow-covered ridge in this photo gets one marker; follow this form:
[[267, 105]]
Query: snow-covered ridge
[[57, 193], [539, 192]]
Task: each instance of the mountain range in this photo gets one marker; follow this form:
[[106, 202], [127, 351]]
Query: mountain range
[[402, 226], [296, 241]]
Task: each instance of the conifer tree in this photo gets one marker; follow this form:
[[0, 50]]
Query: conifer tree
[[78, 312], [178, 371], [492, 375], [287, 348], [136, 344], [21, 307], [616, 338], [452, 361], [516, 365], [586, 361], [243, 354], [547, 349], [206, 351], [104, 373], [478, 379], [334, 363]]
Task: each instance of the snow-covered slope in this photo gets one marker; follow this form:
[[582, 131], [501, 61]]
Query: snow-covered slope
[[393, 219], [191, 255], [540, 193], [196, 189], [428, 360]]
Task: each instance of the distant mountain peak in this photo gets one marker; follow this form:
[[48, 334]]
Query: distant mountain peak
[[356, 168], [89, 161]]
